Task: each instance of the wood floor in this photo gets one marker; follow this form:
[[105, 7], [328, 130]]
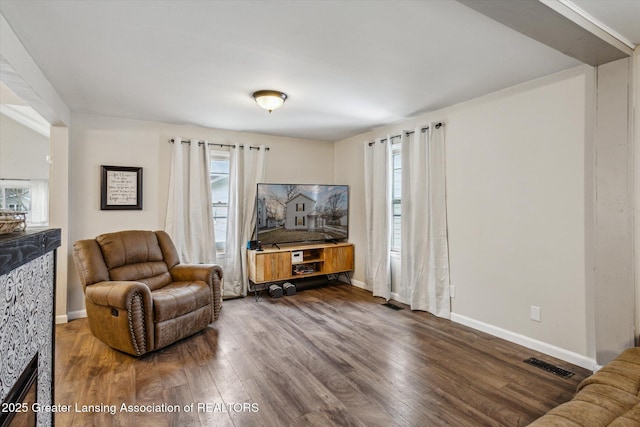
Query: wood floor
[[331, 356]]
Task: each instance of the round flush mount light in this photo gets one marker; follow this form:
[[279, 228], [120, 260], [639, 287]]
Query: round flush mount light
[[270, 99]]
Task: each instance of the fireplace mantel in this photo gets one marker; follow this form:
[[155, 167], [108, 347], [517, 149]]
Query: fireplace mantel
[[19, 248], [27, 301]]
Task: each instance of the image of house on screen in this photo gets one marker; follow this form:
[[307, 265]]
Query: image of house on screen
[[298, 211], [265, 217]]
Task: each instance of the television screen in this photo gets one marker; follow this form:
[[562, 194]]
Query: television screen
[[289, 213]]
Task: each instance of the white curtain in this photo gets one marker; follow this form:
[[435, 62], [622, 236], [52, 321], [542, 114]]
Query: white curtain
[[39, 202], [246, 170], [378, 216], [189, 219], [424, 247]]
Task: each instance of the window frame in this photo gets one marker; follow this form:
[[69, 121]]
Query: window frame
[[219, 156], [396, 197]]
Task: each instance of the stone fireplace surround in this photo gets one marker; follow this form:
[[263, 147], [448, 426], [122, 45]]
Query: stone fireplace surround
[[27, 321]]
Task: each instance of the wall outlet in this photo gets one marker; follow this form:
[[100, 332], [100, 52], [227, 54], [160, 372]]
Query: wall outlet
[[452, 291], [535, 313]]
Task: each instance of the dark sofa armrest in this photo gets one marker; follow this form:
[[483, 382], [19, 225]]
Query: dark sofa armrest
[[208, 273]]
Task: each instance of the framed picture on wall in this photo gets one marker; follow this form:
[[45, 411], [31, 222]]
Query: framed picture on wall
[[121, 188]]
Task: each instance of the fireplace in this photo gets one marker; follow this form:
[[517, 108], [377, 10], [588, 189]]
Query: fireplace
[[17, 406], [27, 287]]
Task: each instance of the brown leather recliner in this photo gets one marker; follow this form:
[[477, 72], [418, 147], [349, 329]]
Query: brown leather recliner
[[138, 297]]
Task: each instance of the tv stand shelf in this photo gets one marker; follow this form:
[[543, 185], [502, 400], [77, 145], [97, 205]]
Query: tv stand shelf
[[276, 264], [308, 261]]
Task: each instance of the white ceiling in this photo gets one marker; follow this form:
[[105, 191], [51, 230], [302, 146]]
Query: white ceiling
[[621, 16], [347, 66]]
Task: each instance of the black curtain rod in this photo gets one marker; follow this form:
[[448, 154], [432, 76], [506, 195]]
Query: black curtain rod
[[220, 145], [409, 132]]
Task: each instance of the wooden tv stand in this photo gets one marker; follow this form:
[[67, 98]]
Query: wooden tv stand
[[277, 264]]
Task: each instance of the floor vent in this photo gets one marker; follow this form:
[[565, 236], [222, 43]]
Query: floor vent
[[392, 305], [549, 367]]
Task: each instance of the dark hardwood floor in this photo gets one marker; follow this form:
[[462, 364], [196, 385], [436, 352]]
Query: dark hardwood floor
[[331, 356]]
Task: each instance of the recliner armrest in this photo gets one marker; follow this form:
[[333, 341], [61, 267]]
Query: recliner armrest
[[188, 272], [211, 274], [116, 293], [133, 332]]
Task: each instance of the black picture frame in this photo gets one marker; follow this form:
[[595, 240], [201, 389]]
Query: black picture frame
[[121, 188]]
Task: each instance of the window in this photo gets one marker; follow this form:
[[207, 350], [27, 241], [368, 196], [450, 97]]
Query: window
[[396, 194], [15, 198], [299, 207], [220, 197], [30, 196]]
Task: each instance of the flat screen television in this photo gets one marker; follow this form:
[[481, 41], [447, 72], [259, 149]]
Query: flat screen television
[[295, 213]]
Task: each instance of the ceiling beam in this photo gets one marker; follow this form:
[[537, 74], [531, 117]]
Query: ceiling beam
[[21, 74], [557, 25]]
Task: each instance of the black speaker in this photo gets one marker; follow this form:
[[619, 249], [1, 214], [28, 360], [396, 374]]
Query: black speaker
[[253, 244]]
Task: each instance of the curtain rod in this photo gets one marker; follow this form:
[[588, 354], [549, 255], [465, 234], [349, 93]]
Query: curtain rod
[[423, 130], [219, 145]]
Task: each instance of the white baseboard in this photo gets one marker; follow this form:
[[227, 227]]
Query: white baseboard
[[551, 350], [358, 284], [63, 318], [73, 315]]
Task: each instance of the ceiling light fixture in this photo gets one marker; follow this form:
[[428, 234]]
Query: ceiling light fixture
[[269, 99]]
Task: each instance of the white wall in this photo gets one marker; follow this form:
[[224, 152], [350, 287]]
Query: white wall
[[613, 245], [516, 200], [23, 152], [516, 189], [99, 140], [59, 212]]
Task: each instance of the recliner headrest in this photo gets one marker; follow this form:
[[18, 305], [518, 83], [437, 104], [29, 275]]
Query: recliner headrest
[[129, 247]]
